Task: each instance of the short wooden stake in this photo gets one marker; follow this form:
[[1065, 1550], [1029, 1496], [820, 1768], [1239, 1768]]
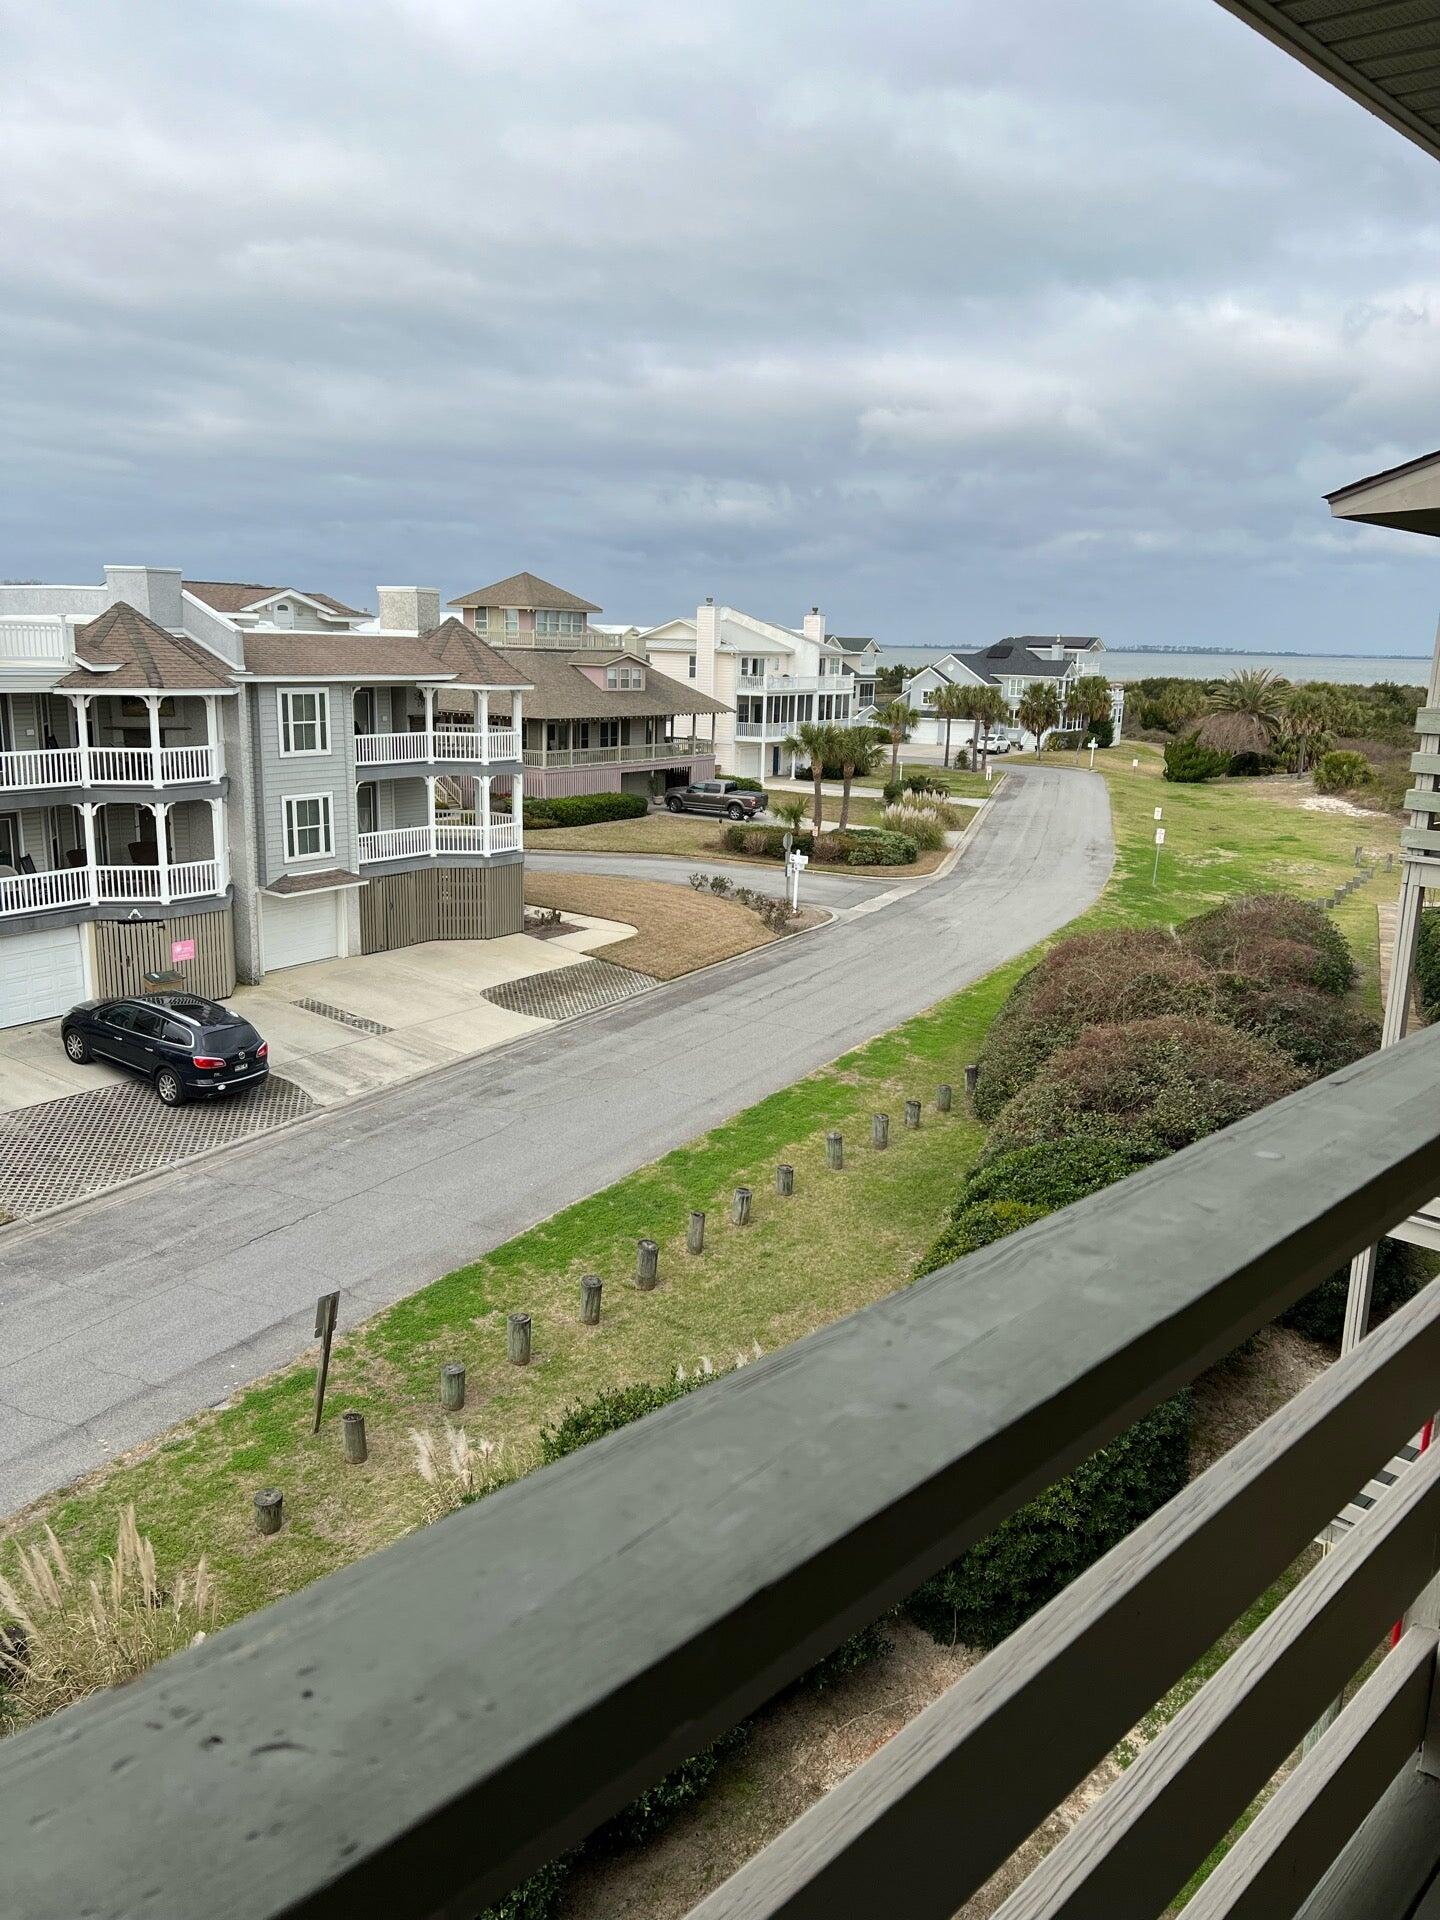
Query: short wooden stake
[[695, 1233], [590, 1288], [943, 1097], [269, 1510], [740, 1207], [452, 1387], [784, 1178], [880, 1131], [647, 1265], [834, 1149], [972, 1078], [352, 1425], [517, 1338], [912, 1113]]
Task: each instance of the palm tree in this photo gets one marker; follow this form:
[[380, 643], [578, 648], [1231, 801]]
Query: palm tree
[[1039, 709], [790, 813], [1246, 712], [950, 704], [813, 741], [1089, 704], [897, 719], [856, 750], [988, 708], [1307, 724]]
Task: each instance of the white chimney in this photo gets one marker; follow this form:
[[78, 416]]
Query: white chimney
[[409, 609], [1057, 648], [707, 639], [814, 626], [153, 591]]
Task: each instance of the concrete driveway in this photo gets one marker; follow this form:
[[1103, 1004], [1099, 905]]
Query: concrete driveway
[[125, 1315]]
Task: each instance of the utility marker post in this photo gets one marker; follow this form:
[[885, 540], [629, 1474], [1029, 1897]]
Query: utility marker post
[[327, 1310], [1159, 842]]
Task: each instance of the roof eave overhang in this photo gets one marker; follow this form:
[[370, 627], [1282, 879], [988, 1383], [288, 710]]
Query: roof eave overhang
[[1405, 498]]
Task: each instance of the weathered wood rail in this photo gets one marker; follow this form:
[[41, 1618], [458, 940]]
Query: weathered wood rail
[[414, 1735]]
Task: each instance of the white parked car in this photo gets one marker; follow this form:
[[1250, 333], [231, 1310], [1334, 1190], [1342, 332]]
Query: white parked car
[[996, 743]]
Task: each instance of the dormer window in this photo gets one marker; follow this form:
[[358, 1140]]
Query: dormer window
[[624, 679]]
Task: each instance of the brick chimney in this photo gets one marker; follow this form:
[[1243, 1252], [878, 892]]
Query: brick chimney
[[409, 609]]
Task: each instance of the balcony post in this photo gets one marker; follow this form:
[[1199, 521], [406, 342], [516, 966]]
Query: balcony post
[[213, 738], [429, 693], [517, 808], [430, 810], [485, 846], [92, 865], [517, 721], [161, 810], [152, 702], [220, 850], [81, 704], [482, 721]]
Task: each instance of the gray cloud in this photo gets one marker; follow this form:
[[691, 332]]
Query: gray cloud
[[962, 320]]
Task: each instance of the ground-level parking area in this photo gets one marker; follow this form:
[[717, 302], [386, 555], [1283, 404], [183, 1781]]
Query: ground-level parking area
[[337, 1029]]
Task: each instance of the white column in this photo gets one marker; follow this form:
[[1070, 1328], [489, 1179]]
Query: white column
[[517, 721], [430, 809], [213, 738], [81, 704], [517, 808], [482, 722], [429, 693], [485, 814], [217, 841], [152, 701], [160, 809], [87, 821]]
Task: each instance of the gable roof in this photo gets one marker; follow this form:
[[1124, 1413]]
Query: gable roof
[[466, 654], [138, 655], [234, 596], [1406, 497], [291, 654], [1072, 642], [526, 590], [562, 691]]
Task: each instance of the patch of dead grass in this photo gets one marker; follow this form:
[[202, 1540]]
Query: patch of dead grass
[[676, 928]]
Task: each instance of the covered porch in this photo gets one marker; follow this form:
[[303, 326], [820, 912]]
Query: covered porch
[[408, 725], [431, 817], [131, 739]]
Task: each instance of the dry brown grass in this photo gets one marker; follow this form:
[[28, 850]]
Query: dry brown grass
[[676, 929]]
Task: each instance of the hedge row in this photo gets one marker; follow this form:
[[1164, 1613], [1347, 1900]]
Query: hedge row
[[1427, 963], [583, 809], [855, 847]]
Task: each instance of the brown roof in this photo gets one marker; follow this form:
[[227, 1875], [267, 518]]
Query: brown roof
[[339, 656], [467, 655], [143, 656], [325, 882], [234, 596], [526, 590], [563, 692]]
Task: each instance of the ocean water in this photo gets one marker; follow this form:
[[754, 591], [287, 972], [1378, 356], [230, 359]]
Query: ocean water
[[1350, 668]]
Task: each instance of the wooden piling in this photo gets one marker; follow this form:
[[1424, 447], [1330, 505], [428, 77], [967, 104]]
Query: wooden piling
[[590, 1290], [740, 1207], [647, 1265], [695, 1233], [269, 1510], [912, 1113], [517, 1338], [352, 1426], [452, 1387], [785, 1178], [879, 1131], [943, 1097], [834, 1149]]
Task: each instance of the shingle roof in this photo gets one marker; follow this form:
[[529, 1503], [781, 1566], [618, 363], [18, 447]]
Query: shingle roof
[[526, 590], [563, 692], [143, 656], [234, 596], [1072, 642], [1011, 657], [340, 656], [330, 881], [466, 654]]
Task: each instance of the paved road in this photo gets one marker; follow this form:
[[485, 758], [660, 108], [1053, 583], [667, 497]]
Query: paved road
[[130, 1312]]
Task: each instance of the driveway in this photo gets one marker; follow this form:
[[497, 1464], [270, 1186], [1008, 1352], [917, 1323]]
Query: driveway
[[125, 1315]]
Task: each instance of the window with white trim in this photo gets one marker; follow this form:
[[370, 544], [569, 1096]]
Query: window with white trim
[[309, 826], [551, 621], [625, 679], [609, 733], [482, 619], [690, 667], [512, 620], [304, 720]]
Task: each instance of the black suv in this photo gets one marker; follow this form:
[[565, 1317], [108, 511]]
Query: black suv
[[716, 796], [186, 1047]]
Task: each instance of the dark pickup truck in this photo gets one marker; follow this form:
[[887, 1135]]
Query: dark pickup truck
[[716, 796]]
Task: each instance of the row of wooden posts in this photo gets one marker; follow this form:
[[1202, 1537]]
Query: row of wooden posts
[[1343, 892], [269, 1502]]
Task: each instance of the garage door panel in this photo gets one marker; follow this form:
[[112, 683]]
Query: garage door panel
[[41, 974], [304, 927]]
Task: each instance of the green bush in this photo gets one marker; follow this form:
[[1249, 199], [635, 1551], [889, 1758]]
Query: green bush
[[1168, 1082], [1036, 1552], [1319, 1031], [1400, 1272], [745, 783], [923, 783], [891, 791], [875, 849], [583, 809], [1102, 732], [1276, 938], [1427, 962], [537, 1898], [926, 829], [1341, 771], [856, 847], [768, 842], [977, 1225], [1187, 762]]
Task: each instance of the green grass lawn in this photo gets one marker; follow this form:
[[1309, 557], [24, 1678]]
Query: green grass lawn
[[845, 1239], [958, 780]]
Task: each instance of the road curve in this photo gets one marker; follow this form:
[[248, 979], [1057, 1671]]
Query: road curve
[[125, 1315]]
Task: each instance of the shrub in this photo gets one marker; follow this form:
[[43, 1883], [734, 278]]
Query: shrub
[[977, 1225], [1102, 732], [537, 1898], [923, 783], [892, 791], [720, 883], [1168, 1081], [1400, 1272], [1065, 739], [1319, 1032], [583, 809], [1427, 963], [1337, 772], [1274, 937], [922, 826], [1250, 765], [880, 849], [1036, 1552], [1105, 978], [1187, 762], [745, 783]]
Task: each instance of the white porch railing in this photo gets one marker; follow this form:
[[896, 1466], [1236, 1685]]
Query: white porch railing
[[37, 641], [78, 886], [136, 766], [638, 753], [415, 843], [445, 743], [182, 766], [42, 767]]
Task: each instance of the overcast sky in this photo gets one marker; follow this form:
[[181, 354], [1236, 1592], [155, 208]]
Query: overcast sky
[[959, 320]]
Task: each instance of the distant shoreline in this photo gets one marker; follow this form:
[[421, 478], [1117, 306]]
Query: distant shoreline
[[1221, 653]]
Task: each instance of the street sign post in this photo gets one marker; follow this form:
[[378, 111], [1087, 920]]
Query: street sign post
[[1159, 842], [795, 865]]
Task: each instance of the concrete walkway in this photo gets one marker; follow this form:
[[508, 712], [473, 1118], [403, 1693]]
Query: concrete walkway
[[123, 1316]]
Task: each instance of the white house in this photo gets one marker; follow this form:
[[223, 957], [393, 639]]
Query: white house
[[773, 679], [1012, 665]]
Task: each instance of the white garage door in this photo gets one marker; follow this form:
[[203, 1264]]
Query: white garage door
[[41, 974], [304, 927]]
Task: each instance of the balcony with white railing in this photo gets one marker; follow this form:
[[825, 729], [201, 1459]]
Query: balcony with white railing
[[101, 885], [420, 748], [31, 643], [640, 753], [33, 770], [473, 838]]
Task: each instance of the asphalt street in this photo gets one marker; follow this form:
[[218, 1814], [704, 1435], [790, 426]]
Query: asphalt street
[[136, 1309]]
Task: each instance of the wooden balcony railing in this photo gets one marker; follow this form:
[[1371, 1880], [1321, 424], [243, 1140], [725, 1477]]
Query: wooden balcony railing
[[33, 769], [414, 1735]]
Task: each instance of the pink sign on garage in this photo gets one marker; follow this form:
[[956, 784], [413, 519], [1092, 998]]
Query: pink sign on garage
[[182, 949]]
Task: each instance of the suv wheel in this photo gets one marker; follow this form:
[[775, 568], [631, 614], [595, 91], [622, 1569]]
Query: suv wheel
[[167, 1085], [735, 812], [77, 1047], [674, 804]]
